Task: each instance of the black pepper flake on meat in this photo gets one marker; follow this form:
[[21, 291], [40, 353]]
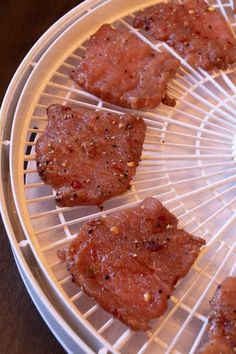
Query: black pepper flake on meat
[[41, 173], [90, 231], [154, 245], [160, 291], [107, 277]]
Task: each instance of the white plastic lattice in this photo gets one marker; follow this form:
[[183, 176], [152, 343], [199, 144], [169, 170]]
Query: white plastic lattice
[[188, 163]]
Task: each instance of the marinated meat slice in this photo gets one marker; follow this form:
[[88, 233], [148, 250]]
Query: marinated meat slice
[[130, 261], [222, 335], [89, 156], [194, 29], [121, 69]]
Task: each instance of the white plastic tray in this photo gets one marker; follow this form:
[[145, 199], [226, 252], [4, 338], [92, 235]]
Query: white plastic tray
[[188, 163]]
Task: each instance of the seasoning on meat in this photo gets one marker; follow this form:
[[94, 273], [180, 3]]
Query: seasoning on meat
[[85, 155], [144, 261], [222, 334], [195, 29], [121, 69]]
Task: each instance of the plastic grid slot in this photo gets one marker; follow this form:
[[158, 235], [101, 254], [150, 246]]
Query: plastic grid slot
[[188, 163]]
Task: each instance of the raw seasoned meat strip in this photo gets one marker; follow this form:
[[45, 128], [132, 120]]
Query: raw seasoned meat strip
[[222, 334], [121, 69], [88, 156], [130, 261], [194, 29]]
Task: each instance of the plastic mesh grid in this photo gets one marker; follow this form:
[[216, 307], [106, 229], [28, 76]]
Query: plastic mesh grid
[[188, 163]]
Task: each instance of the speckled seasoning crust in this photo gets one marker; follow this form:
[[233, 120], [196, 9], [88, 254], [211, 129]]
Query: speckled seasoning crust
[[89, 157], [222, 333], [121, 69], [195, 29], [130, 261]]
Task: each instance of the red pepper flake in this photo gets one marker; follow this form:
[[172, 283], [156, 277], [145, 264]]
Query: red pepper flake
[[76, 184]]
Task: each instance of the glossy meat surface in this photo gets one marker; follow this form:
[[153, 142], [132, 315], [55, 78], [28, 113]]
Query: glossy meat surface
[[222, 334], [130, 261], [121, 69], [196, 30], [88, 156]]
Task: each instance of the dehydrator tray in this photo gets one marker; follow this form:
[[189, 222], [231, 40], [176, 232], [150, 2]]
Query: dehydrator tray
[[188, 163]]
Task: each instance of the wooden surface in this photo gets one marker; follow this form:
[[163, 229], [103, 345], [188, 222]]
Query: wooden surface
[[22, 330]]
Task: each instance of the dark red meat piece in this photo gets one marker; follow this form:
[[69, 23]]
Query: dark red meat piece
[[130, 261], [222, 334], [88, 156], [194, 29], [121, 69]]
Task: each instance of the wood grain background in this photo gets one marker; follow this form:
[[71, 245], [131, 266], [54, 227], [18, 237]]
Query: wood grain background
[[22, 330]]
